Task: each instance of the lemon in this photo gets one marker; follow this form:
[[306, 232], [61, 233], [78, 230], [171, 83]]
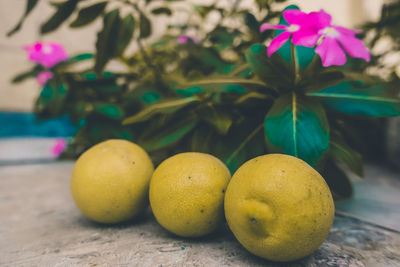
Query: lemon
[[278, 207], [187, 192], [110, 181]]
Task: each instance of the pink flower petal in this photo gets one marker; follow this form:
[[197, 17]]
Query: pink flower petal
[[354, 47], [183, 39], [44, 77], [277, 42], [297, 17], [330, 52], [59, 147], [346, 31], [306, 37], [46, 53], [320, 19], [266, 26]]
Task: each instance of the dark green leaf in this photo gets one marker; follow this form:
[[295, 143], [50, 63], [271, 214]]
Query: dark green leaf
[[218, 84], [297, 126], [63, 12], [162, 10], [202, 139], [204, 10], [107, 40], [219, 118], [125, 33], [340, 151], [109, 110], [145, 26], [30, 4], [88, 14], [164, 107], [319, 81], [150, 97], [245, 142], [81, 57], [273, 71], [167, 136], [28, 74], [251, 95], [251, 22], [372, 100], [51, 98], [337, 181]]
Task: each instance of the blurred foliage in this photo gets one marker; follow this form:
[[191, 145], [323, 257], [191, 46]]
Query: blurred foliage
[[217, 93]]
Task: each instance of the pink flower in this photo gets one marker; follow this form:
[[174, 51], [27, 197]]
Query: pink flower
[[46, 53], [336, 41], [183, 39], [316, 28], [301, 28], [58, 147], [44, 77]]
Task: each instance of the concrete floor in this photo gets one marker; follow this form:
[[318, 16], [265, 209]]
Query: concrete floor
[[40, 226]]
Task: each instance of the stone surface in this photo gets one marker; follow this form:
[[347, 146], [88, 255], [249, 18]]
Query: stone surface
[[40, 226]]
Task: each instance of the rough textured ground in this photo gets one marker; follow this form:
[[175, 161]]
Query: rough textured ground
[[40, 226]]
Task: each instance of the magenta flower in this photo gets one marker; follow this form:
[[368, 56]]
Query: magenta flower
[[46, 53], [58, 147], [336, 41], [183, 39], [44, 77], [316, 28], [301, 28]]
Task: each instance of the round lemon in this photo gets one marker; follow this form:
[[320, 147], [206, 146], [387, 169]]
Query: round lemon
[[187, 192], [110, 181], [278, 207]]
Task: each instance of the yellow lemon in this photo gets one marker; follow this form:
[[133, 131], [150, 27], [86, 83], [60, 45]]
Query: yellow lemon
[[110, 181], [278, 207], [187, 193]]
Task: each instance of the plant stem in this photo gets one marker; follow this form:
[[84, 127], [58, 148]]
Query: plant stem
[[245, 141], [294, 65]]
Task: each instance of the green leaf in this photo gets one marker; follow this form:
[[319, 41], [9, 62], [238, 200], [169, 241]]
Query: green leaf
[[28, 74], [319, 81], [107, 40], [273, 71], [251, 22], [219, 84], [167, 136], [202, 139], [251, 95], [162, 10], [371, 100], [297, 126], [81, 57], [337, 181], [219, 118], [340, 151], [247, 148], [144, 26], [164, 107], [51, 99], [150, 97], [30, 4], [88, 14], [109, 110], [63, 12], [125, 33]]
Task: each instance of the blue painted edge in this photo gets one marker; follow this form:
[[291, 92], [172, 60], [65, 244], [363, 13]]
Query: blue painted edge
[[20, 124]]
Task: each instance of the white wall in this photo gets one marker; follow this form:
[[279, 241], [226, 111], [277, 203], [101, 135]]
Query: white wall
[[13, 60]]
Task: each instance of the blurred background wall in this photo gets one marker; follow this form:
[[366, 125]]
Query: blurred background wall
[[13, 59]]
